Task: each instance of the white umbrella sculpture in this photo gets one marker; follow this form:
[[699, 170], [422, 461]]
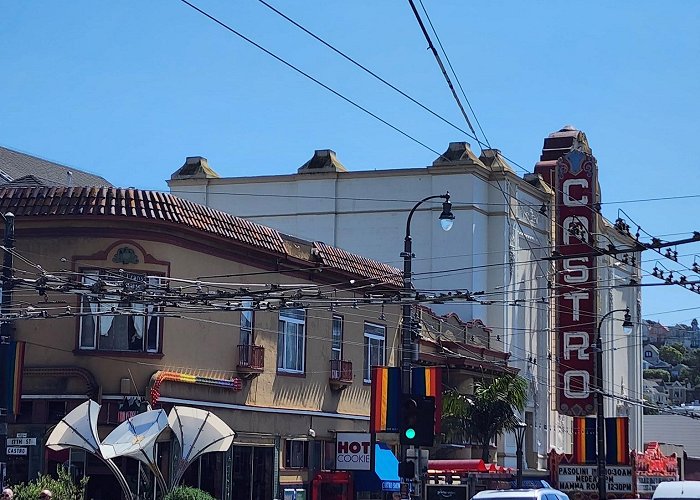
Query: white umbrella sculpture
[[78, 429], [136, 438], [198, 432]]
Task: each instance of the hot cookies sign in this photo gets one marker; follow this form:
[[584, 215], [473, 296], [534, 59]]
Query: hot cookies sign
[[352, 451]]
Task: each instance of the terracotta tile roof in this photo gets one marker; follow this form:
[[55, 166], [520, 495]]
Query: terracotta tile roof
[[356, 264], [119, 202]]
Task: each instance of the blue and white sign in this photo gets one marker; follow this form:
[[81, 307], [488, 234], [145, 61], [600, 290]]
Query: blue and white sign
[[391, 485]]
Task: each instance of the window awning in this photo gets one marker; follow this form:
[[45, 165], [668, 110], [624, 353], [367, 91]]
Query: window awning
[[457, 466], [384, 477]]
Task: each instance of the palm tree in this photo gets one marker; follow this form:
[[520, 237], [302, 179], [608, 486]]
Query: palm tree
[[488, 412]]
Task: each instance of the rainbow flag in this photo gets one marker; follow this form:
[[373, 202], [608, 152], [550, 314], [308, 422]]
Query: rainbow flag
[[427, 381], [617, 440], [12, 364], [385, 399], [585, 440]]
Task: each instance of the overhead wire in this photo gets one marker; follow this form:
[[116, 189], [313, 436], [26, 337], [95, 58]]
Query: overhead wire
[[308, 76], [399, 200], [225, 26]]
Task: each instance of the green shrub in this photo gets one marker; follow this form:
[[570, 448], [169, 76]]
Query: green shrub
[[188, 493], [62, 488], [657, 373]]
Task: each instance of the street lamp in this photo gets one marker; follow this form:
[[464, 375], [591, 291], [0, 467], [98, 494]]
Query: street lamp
[[6, 332], [520, 428], [600, 413], [407, 345]]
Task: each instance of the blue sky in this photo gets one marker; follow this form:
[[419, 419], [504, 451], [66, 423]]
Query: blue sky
[[129, 89]]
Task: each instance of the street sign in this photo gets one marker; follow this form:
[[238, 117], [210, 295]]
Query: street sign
[[16, 450], [21, 435], [21, 441], [352, 450]]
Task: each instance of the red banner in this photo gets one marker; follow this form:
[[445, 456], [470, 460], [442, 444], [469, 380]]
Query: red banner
[[576, 219]]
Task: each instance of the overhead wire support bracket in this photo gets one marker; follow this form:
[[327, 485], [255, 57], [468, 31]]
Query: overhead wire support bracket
[[656, 244]]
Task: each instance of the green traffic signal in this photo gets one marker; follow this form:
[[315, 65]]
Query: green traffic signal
[[417, 420]]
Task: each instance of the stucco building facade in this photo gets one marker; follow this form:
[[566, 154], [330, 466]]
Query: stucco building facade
[[128, 311], [504, 231]]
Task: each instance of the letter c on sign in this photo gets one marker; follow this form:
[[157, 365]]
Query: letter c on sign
[[570, 201]]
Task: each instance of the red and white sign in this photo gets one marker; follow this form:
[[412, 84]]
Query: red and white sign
[[352, 451], [577, 218]]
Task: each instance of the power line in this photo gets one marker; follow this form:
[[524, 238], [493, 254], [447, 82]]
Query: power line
[[364, 68], [399, 200], [307, 75], [454, 73]]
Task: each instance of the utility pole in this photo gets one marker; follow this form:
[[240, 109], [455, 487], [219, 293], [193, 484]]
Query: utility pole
[[6, 334], [409, 349]]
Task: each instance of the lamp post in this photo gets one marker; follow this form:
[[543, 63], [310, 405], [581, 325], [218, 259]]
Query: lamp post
[[520, 428], [407, 345], [600, 413], [407, 341], [6, 333]]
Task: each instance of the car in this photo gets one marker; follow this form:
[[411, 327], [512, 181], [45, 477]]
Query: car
[[677, 490], [522, 494]]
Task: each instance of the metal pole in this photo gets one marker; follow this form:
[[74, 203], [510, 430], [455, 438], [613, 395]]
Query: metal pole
[[406, 340], [600, 411], [600, 418], [6, 331], [519, 458], [408, 346], [406, 337]]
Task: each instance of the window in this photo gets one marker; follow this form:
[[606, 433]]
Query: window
[[291, 341], [375, 336], [296, 453], [247, 320], [131, 327], [56, 411], [337, 338], [25, 415], [328, 459], [647, 354]]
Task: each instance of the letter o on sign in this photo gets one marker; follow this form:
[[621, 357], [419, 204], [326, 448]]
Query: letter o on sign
[[583, 382]]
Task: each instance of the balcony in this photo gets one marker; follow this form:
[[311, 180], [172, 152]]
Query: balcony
[[251, 360], [341, 374]]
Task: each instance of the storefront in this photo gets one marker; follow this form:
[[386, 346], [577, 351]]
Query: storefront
[[332, 486], [474, 474], [636, 480]]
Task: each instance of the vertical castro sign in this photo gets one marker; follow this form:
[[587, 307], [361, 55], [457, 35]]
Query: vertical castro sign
[[576, 219], [352, 451]]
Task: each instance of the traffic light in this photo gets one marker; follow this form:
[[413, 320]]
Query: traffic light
[[407, 469], [417, 420]]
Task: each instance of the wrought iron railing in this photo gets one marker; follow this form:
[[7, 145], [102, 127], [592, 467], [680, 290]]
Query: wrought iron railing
[[341, 371], [251, 356]]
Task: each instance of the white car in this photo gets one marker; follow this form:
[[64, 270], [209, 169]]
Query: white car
[[528, 494], [677, 490]]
